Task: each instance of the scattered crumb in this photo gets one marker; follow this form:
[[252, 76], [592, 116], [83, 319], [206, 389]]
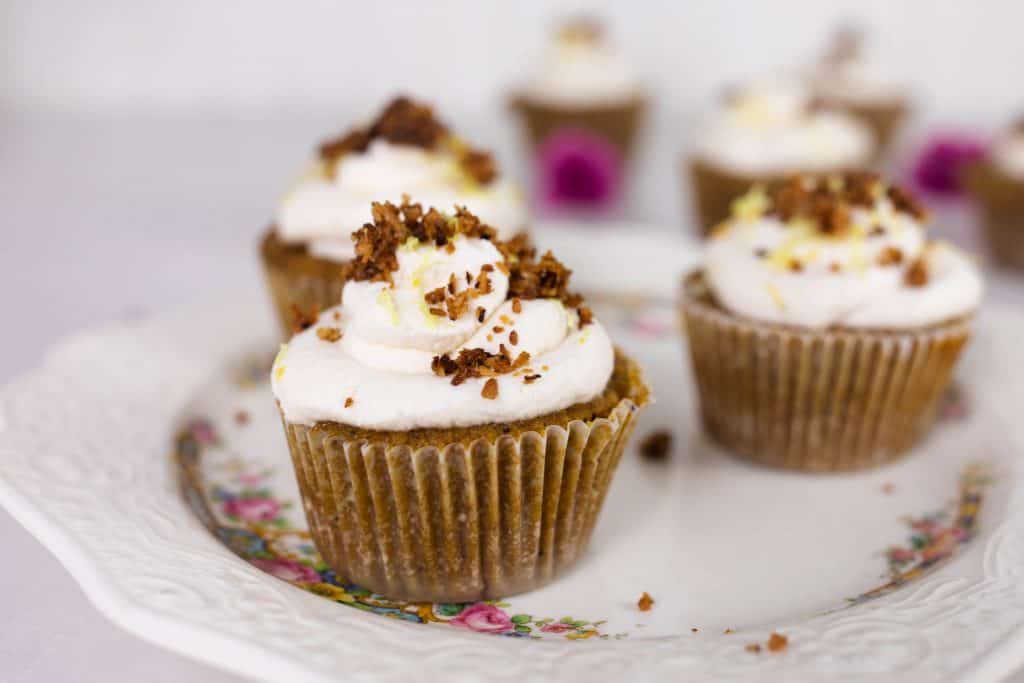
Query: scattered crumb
[[917, 274], [517, 306], [777, 642], [753, 647], [728, 631], [888, 488], [328, 334], [877, 231], [530, 379], [694, 629], [301, 320], [505, 319], [796, 265], [513, 337], [336, 315], [835, 267], [481, 314], [490, 390], [645, 602], [761, 252], [242, 417], [348, 402], [656, 445], [498, 329]]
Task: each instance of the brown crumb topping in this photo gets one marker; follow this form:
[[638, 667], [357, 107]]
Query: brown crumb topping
[[656, 445], [890, 256], [302, 320], [777, 642], [917, 274], [405, 121], [645, 602], [328, 334], [490, 390], [530, 379], [753, 647], [728, 631], [349, 401], [242, 417], [827, 202], [478, 363]]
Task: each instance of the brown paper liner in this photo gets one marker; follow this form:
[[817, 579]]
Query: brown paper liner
[[822, 401], [466, 520], [297, 278], [616, 123], [884, 120], [1001, 202]]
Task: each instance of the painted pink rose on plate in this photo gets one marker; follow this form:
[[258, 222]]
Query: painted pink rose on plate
[[288, 570], [557, 627], [252, 509], [483, 618]]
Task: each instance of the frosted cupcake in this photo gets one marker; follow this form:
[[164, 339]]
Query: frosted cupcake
[[764, 133], [455, 423], [406, 150], [845, 80], [997, 183], [581, 110], [824, 326]]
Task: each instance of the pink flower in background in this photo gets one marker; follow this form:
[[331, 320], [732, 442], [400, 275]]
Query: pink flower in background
[[577, 168], [483, 618], [557, 627], [941, 162], [252, 509], [288, 570]]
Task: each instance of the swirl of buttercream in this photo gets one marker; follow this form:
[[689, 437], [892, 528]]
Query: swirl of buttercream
[[378, 374]]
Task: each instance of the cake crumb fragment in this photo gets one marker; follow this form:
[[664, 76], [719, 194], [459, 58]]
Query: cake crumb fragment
[[777, 642], [645, 602], [490, 390], [657, 445], [349, 401], [328, 334]]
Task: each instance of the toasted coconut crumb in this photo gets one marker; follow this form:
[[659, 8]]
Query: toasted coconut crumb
[[349, 401], [796, 265], [490, 390], [513, 338], [753, 647], [728, 631], [761, 252], [242, 417], [917, 274], [517, 306], [530, 379], [877, 231], [645, 602], [478, 363], [694, 630], [328, 334], [303, 321], [336, 315], [835, 267], [481, 314], [656, 445], [888, 488], [777, 642], [890, 256]]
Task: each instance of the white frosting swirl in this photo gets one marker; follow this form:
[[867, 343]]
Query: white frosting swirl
[[580, 73], [769, 129], [323, 212], [1008, 155], [389, 338], [858, 82], [748, 269]]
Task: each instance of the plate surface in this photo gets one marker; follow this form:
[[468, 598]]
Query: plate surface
[[914, 570]]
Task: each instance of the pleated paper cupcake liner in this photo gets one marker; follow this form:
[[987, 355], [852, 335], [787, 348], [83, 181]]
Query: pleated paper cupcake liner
[[1001, 200], [822, 401], [457, 522], [293, 283], [618, 124]]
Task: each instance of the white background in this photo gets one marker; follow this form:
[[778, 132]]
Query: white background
[[143, 145]]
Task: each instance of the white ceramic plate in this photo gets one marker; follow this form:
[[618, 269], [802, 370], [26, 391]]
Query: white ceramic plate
[[912, 571]]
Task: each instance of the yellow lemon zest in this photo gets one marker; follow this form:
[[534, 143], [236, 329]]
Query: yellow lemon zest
[[384, 299], [750, 206], [776, 296]]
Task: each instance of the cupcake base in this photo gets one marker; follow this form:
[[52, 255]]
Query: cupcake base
[[1001, 200], [298, 279], [617, 123], [458, 515], [820, 401], [884, 120]]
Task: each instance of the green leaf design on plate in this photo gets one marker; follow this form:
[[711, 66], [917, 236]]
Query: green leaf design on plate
[[521, 619]]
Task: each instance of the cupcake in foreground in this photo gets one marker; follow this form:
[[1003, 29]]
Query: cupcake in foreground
[[581, 111], [847, 81], [456, 422], [997, 183], [824, 326], [762, 134], [307, 253]]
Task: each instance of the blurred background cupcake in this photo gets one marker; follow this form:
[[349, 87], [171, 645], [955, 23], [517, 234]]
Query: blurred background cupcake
[[764, 132], [581, 111], [405, 150], [997, 183], [844, 79]]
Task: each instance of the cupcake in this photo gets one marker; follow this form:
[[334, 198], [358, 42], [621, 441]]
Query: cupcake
[[456, 422], [762, 134], [824, 326], [845, 80], [581, 112], [307, 253], [997, 183]]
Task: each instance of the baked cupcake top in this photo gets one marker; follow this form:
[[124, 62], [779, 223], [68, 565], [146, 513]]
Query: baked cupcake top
[[842, 250], [443, 325], [406, 150], [582, 69], [846, 75], [771, 128], [1007, 152]]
